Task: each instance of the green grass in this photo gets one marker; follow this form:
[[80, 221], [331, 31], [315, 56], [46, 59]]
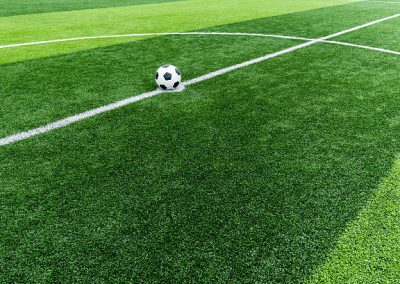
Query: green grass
[[368, 250], [282, 172], [76, 82], [23, 7], [79, 81], [160, 17], [385, 35]]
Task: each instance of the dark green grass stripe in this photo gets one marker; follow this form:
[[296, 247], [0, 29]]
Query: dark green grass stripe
[[247, 177], [23, 7], [40, 91], [385, 35]]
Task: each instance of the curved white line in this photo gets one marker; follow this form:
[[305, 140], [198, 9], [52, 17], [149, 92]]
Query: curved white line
[[198, 33], [150, 34]]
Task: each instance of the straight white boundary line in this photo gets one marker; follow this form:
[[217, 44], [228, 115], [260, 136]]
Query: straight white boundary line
[[75, 118]]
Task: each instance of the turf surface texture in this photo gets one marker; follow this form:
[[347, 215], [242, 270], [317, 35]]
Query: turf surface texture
[[286, 171]]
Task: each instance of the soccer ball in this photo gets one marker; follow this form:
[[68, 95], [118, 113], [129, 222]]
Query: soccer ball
[[168, 77]]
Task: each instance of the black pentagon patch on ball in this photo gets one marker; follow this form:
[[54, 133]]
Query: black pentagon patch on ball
[[156, 75], [163, 87], [167, 76], [176, 84], [166, 66], [177, 71]]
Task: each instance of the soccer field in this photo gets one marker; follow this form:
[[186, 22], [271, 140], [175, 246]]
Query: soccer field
[[278, 163]]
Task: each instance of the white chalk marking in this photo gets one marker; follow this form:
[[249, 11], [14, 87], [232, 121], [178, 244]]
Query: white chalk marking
[[363, 47], [198, 33], [72, 119]]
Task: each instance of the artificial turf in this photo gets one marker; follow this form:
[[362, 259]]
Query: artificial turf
[[51, 88], [386, 35], [23, 7], [368, 251], [275, 173], [159, 17], [36, 92]]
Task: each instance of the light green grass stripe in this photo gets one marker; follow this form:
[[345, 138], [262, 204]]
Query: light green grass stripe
[[162, 17], [24, 7], [385, 2], [369, 250]]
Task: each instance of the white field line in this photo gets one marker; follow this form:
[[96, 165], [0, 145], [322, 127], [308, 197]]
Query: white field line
[[363, 47], [360, 27], [196, 33], [148, 34], [78, 117]]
